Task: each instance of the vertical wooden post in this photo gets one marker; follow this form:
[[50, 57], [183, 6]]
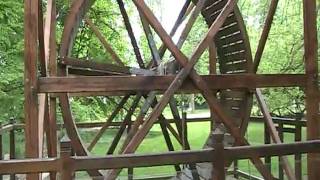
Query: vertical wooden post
[[280, 132], [267, 140], [12, 146], [218, 163], [184, 130], [297, 157], [235, 169], [212, 70], [66, 163], [312, 97], [51, 65], [30, 82], [130, 173]]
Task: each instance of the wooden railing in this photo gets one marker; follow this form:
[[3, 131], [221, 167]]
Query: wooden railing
[[67, 164], [13, 167]]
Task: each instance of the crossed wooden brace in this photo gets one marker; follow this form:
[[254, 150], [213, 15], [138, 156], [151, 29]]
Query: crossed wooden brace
[[182, 75]]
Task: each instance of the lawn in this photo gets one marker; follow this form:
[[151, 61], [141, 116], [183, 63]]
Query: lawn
[[154, 143], [197, 133]]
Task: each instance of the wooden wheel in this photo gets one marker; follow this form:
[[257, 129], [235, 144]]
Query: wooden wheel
[[232, 52]]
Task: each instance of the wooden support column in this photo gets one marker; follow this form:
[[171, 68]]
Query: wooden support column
[[49, 68], [212, 70], [32, 133], [312, 91], [12, 145], [298, 157], [218, 163], [267, 140], [66, 164]]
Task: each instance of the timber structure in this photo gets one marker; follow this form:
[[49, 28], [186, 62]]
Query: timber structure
[[53, 76]]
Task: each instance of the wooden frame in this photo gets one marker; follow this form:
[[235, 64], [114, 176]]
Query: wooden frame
[[89, 78]]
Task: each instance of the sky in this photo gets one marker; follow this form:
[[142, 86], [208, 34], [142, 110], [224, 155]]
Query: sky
[[167, 13]]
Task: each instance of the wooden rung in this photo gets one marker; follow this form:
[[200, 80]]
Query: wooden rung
[[234, 47], [228, 31], [230, 39]]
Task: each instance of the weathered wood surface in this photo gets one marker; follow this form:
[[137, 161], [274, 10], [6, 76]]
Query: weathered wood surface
[[161, 83], [312, 89], [136, 160]]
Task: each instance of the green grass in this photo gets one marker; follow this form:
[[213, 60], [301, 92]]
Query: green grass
[[197, 133], [154, 143]]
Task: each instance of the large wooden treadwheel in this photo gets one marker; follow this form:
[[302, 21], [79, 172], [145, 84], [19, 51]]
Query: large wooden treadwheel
[[232, 53]]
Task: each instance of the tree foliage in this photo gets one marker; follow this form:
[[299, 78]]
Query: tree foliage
[[284, 51]]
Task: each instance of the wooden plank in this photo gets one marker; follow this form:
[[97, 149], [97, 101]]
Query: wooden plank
[[178, 157], [312, 89], [160, 83], [91, 64]]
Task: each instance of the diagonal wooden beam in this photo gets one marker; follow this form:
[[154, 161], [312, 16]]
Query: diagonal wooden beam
[[104, 42], [265, 34], [273, 131], [262, 104], [193, 17], [183, 13], [108, 122], [188, 67], [124, 124], [151, 42], [130, 33]]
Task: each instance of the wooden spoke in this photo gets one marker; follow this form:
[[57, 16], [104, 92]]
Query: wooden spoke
[[130, 33], [183, 13], [190, 23], [107, 123], [151, 42], [265, 34], [104, 42], [124, 124]]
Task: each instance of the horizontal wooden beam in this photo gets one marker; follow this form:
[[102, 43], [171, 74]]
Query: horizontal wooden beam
[[135, 160], [277, 120], [184, 157], [93, 65], [129, 84]]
